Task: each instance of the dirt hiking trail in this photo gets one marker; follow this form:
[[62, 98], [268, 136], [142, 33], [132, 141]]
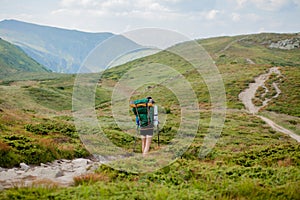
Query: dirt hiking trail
[[248, 94]]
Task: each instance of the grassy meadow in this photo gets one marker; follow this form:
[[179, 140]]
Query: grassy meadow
[[249, 161]]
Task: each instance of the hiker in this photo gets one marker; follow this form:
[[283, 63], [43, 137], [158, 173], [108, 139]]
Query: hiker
[[144, 112]]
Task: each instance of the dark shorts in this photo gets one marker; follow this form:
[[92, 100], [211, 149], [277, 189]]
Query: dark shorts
[[147, 130]]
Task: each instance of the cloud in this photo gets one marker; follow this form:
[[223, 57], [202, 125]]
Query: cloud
[[116, 5], [270, 5], [205, 17], [267, 5], [241, 3], [151, 5], [129, 8], [212, 14], [140, 9], [79, 3]]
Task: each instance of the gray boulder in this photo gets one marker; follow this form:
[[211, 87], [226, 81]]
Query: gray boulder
[[287, 44], [24, 166]]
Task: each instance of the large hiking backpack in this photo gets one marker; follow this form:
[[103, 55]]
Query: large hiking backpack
[[146, 116], [144, 112]]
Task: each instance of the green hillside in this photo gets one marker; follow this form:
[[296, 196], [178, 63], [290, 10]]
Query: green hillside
[[60, 50], [13, 60], [233, 54], [249, 161]]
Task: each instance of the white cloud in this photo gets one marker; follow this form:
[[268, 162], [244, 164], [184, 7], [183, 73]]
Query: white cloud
[[268, 5], [171, 1], [130, 8], [191, 17], [115, 5], [79, 3], [241, 3], [147, 5], [212, 14]]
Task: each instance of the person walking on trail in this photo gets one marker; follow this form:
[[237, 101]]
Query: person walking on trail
[[144, 112]]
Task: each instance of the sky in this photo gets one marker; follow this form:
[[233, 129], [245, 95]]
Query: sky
[[192, 18]]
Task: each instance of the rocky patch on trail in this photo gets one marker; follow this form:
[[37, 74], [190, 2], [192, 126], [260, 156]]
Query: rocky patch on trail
[[60, 172], [287, 44]]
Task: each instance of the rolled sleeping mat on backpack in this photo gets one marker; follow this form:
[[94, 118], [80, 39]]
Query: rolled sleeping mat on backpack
[[132, 105], [141, 103], [155, 120]]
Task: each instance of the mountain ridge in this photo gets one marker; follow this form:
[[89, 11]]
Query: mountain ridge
[[58, 49], [13, 59]]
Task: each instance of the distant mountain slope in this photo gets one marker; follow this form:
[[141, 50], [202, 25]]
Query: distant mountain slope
[[264, 48], [13, 59], [58, 49]]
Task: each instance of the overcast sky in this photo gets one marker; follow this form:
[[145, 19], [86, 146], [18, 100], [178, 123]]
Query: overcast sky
[[193, 18]]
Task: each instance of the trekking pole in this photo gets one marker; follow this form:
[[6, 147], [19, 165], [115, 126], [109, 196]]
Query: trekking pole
[[156, 122]]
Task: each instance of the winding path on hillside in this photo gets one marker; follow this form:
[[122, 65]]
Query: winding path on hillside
[[231, 43], [248, 94]]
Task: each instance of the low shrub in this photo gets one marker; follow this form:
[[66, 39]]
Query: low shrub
[[8, 157], [52, 127]]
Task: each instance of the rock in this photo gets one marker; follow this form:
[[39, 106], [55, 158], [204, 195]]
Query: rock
[[93, 167], [79, 162], [67, 167], [250, 61], [11, 171], [101, 159], [8, 175], [287, 44], [67, 179], [61, 171], [89, 161], [59, 174], [24, 166], [44, 173], [66, 161], [79, 171], [44, 165], [20, 172]]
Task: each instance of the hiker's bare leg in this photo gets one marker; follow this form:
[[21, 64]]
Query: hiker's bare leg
[[148, 143], [143, 143]]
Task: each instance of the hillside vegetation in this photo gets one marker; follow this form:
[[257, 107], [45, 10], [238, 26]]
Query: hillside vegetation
[[60, 50], [14, 60], [250, 160]]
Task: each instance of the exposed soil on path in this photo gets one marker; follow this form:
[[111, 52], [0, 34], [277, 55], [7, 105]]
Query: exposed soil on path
[[248, 94]]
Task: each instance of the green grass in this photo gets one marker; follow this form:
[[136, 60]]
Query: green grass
[[289, 101], [34, 149], [30, 139], [249, 161], [13, 59], [287, 121], [184, 179]]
